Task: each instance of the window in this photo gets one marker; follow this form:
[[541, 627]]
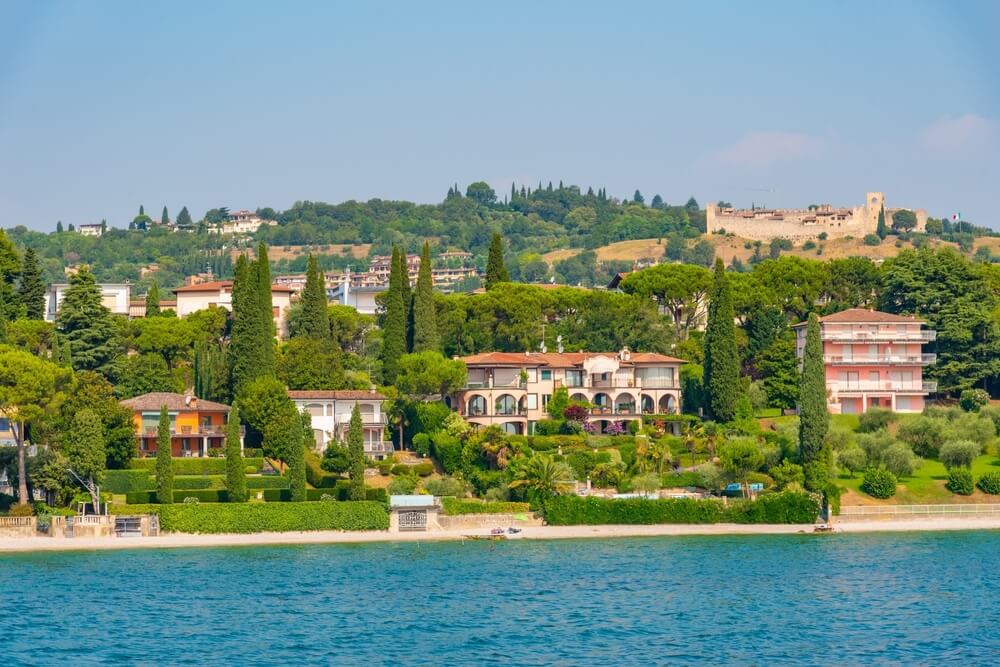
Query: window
[[4, 424], [873, 376], [545, 400], [506, 405], [532, 374], [546, 375], [532, 401]]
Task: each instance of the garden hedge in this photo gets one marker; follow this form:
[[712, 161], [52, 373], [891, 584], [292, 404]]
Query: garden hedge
[[990, 483], [203, 496], [340, 492], [785, 507], [315, 474], [136, 481], [196, 465], [454, 506], [267, 517], [127, 481]]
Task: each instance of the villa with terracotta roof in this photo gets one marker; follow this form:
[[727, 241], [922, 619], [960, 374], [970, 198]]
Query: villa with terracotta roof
[[330, 414], [873, 360], [196, 425], [513, 389], [198, 296]]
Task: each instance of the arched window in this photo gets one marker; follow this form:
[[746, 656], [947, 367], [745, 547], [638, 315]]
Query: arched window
[[477, 406], [668, 404], [506, 405], [648, 404]]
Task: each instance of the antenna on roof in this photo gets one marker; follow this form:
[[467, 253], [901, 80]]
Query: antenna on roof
[[559, 344]]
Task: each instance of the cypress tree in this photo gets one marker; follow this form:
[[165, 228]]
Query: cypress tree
[[59, 226], [814, 417], [425, 331], [496, 272], [87, 324], [722, 362], [314, 321], [266, 321], [164, 218], [245, 338], [394, 324], [164, 462], [356, 454], [153, 300], [142, 211], [31, 291], [211, 374], [297, 459], [403, 270], [881, 229], [236, 474]]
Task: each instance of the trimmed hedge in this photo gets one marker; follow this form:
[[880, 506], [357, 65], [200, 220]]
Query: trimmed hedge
[[196, 465], [785, 507], [203, 496], [453, 506], [990, 483], [315, 474], [341, 493], [264, 517], [266, 482], [127, 481]]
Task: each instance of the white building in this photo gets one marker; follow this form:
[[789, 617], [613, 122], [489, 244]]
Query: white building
[[242, 222], [360, 298], [191, 298], [114, 296], [92, 229], [331, 416]]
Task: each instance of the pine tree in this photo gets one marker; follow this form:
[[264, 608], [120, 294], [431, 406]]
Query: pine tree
[[211, 373], [814, 417], [236, 474], [164, 218], [722, 363], [142, 211], [266, 310], [314, 321], [356, 454], [496, 271], [394, 324], [245, 338], [87, 324], [297, 460], [638, 198], [31, 291], [164, 462], [83, 445], [153, 300], [184, 219], [881, 229], [425, 331]]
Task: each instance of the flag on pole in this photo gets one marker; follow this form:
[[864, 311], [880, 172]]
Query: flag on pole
[[955, 217]]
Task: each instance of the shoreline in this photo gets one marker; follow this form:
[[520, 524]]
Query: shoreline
[[188, 540]]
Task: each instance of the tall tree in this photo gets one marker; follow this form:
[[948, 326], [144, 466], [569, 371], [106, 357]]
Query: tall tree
[[314, 321], [403, 271], [31, 291], [184, 219], [813, 415], [245, 338], [10, 269], [881, 229], [153, 300], [164, 461], [30, 389], [83, 446], [164, 218], [722, 361], [425, 331], [263, 270], [356, 453], [211, 372], [394, 324], [297, 460], [496, 271], [236, 474], [87, 325]]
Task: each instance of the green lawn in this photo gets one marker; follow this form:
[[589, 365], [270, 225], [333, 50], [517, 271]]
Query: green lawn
[[926, 486]]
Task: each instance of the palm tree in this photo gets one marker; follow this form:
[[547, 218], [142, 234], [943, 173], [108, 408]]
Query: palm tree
[[693, 432], [544, 477]]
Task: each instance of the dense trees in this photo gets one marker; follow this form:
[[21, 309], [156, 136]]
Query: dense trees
[[722, 364], [86, 324], [680, 289]]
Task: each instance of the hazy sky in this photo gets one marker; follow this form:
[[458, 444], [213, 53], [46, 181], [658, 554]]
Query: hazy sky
[[108, 105]]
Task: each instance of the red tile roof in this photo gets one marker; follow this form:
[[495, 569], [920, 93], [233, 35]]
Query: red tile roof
[[560, 360], [865, 316], [217, 285], [174, 402], [336, 395]]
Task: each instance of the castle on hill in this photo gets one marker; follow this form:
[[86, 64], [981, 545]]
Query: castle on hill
[[765, 224]]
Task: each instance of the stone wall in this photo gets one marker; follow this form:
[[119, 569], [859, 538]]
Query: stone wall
[[18, 526]]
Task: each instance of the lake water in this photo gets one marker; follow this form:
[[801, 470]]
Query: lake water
[[848, 599]]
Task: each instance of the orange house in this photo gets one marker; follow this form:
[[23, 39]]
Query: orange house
[[196, 425]]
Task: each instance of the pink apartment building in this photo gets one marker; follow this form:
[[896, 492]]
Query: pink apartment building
[[512, 389], [873, 360]]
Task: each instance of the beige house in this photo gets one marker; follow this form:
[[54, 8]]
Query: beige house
[[513, 389], [116, 297], [220, 293]]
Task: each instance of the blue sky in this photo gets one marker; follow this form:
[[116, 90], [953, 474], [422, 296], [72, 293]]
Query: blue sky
[[108, 105]]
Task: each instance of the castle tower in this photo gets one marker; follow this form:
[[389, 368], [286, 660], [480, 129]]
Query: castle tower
[[874, 201]]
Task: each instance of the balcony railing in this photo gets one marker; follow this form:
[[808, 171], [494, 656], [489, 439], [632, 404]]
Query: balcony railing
[[383, 447], [193, 432], [862, 336], [914, 386], [911, 359]]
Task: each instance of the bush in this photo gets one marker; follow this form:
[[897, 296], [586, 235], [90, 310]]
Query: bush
[[960, 481], [548, 427], [315, 474], [582, 463], [992, 412], [446, 486], [959, 453], [263, 517], [990, 483], [422, 444], [455, 506], [196, 466], [127, 481], [881, 449], [972, 426], [680, 480], [336, 459], [21, 510], [403, 485], [875, 419], [971, 400], [879, 483], [787, 473], [809, 245], [924, 434], [423, 469], [341, 492], [852, 459], [607, 475], [872, 240], [785, 507], [268, 482], [447, 449]]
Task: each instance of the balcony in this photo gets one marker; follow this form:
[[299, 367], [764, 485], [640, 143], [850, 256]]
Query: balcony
[[906, 387], [903, 359], [193, 432], [890, 336]]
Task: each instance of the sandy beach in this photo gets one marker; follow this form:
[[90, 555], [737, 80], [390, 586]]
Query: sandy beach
[[183, 540]]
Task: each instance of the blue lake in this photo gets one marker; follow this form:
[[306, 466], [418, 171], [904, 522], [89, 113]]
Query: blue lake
[[840, 599]]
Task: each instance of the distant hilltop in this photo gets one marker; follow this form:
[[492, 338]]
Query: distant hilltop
[[765, 224]]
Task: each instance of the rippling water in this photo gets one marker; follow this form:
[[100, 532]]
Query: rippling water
[[846, 599]]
